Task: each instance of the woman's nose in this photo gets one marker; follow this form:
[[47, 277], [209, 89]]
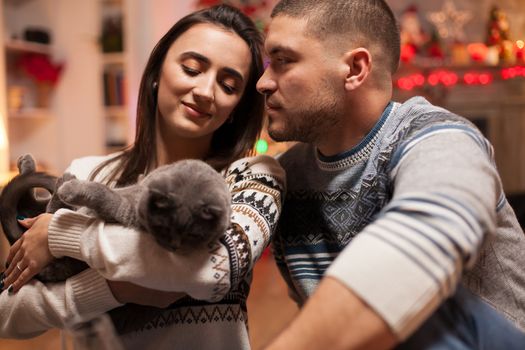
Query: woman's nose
[[204, 89]]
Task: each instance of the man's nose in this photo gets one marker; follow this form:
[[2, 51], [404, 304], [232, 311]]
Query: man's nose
[[266, 84]]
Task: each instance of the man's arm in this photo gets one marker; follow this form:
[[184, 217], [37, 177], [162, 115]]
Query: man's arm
[[335, 318], [411, 258]]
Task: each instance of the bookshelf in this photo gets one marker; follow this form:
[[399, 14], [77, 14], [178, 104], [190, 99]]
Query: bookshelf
[[114, 67], [26, 97]]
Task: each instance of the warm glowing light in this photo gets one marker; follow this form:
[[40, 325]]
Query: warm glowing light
[[477, 78], [477, 51], [3, 134], [520, 44], [261, 146]]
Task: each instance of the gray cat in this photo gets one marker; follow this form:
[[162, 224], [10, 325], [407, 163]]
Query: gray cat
[[184, 205]]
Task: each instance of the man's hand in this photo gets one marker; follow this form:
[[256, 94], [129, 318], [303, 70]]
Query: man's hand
[[126, 292]]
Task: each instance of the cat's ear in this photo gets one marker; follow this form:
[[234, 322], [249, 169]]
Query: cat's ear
[[26, 164], [210, 212], [161, 200]]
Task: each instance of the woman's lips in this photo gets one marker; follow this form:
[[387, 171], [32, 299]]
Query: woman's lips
[[195, 111]]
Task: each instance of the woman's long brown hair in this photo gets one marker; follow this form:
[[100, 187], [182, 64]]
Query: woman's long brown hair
[[232, 140]]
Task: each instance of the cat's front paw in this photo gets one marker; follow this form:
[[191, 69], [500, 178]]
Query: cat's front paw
[[69, 191]]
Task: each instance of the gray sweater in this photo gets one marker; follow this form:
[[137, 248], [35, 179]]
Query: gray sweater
[[416, 208]]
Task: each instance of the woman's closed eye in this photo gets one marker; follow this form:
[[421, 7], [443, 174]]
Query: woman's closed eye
[[229, 87], [190, 70]]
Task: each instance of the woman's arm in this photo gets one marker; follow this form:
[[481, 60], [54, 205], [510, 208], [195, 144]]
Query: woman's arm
[[38, 307], [123, 254]]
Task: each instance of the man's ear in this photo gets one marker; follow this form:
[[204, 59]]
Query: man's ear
[[359, 66]]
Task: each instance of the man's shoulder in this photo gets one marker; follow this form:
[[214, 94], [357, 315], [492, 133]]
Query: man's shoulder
[[417, 116]]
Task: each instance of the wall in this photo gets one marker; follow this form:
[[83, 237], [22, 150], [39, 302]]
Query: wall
[[76, 128]]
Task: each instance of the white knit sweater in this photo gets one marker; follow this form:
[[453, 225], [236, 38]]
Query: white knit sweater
[[216, 278]]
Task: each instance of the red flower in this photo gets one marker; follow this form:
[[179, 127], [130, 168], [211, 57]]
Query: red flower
[[40, 67]]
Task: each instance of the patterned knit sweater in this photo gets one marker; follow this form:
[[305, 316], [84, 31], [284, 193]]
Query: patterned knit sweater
[[402, 218], [216, 279]]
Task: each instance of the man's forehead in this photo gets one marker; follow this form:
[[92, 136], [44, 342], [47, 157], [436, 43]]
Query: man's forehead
[[286, 34]]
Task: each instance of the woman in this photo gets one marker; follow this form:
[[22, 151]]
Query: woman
[[197, 100]]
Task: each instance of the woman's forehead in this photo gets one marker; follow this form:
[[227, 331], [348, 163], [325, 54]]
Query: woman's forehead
[[220, 46]]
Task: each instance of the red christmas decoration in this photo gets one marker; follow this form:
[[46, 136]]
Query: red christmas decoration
[[40, 68], [408, 51], [477, 51]]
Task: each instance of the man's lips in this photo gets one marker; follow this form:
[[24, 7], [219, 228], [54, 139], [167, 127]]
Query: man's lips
[[272, 105]]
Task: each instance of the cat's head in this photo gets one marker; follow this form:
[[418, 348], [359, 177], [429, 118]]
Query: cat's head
[[185, 209]]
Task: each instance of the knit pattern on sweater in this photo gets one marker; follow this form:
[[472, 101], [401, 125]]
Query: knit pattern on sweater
[[331, 200]]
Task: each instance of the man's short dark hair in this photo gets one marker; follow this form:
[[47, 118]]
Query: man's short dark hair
[[364, 22]]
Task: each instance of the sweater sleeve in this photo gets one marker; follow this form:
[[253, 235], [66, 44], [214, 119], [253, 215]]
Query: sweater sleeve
[[37, 307], [446, 189], [119, 253]]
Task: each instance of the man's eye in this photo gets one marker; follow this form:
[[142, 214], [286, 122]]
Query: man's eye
[[282, 60]]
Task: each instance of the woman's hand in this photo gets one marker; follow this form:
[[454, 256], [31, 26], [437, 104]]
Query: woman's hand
[[30, 254], [126, 292]]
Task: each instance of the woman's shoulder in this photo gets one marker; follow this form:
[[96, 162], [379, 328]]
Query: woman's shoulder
[[84, 166], [257, 166]]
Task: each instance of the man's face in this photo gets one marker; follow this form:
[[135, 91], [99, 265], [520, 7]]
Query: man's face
[[302, 84]]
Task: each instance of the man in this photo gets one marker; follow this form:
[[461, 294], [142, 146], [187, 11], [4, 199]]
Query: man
[[391, 207]]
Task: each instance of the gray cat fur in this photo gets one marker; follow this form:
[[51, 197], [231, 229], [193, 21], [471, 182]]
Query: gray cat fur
[[184, 205]]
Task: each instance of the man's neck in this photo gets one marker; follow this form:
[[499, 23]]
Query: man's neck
[[361, 118]]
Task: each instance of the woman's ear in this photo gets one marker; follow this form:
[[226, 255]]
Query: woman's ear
[[359, 66]]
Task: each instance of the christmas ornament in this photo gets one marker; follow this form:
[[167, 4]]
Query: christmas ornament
[[434, 47], [410, 28], [498, 27], [449, 22]]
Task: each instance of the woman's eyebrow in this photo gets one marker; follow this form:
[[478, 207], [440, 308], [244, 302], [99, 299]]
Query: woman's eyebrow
[[195, 55], [234, 73], [206, 60]]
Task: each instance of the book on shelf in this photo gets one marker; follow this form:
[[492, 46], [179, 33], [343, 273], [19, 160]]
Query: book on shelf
[[114, 87]]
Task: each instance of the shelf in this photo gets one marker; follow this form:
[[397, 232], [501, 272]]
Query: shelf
[[113, 58], [112, 2], [115, 111], [30, 113], [27, 47]]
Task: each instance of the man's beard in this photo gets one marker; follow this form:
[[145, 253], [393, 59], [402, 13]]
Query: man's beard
[[308, 125]]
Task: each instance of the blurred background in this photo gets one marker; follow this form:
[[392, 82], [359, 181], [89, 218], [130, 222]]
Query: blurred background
[[70, 70]]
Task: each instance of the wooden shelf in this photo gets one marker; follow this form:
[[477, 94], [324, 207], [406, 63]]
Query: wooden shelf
[[26, 46], [115, 111], [30, 113], [113, 58], [112, 2]]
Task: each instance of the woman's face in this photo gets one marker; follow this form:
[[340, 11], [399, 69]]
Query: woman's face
[[202, 80]]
